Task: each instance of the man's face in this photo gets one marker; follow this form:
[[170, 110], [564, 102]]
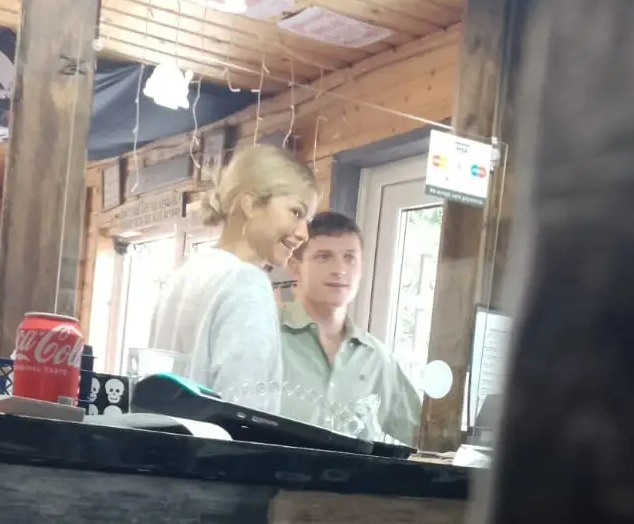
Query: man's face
[[329, 269]]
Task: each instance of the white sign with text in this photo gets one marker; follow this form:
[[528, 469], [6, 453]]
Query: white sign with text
[[458, 169]]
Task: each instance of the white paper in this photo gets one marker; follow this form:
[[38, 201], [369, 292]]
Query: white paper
[[332, 28], [458, 169], [263, 9], [150, 421], [472, 457], [490, 351]]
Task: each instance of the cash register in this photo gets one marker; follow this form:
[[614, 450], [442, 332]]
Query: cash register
[[175, 396]]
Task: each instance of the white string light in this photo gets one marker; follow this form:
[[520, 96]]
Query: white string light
[[318, 120], [292, 106], [137, 100], [228, 72], [258, 118], [195, 141]]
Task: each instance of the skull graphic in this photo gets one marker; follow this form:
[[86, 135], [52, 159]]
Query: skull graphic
[[92, 409], [95, 386], [114, 390]]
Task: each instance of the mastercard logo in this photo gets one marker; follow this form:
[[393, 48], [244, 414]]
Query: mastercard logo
[[439, 161], [478, 171]]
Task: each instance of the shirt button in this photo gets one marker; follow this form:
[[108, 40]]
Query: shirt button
[[331, 384]]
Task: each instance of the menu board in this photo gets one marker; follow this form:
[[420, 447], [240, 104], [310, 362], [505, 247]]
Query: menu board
[[489, 356]]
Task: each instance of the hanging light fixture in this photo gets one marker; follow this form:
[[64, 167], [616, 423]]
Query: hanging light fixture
[[168, 86]]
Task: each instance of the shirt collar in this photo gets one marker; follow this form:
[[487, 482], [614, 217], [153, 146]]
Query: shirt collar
[[294, 316]]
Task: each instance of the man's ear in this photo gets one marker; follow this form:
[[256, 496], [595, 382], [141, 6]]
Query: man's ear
[[247, 205]]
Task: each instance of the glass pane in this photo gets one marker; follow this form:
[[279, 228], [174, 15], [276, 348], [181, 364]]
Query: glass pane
[[415, 277], [151, 264]]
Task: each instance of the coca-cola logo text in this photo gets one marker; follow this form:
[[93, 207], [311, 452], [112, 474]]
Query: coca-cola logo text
[[59, 346]]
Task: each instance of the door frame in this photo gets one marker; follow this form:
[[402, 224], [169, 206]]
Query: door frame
[[371, 196], [347, 165]]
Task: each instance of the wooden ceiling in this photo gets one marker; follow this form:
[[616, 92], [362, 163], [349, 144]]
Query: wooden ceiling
[[211, 42]]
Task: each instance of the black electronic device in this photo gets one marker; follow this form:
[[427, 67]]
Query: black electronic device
[[169, 394]]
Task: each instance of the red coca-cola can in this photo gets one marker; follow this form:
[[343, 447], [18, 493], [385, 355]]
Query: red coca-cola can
[[47, 358]]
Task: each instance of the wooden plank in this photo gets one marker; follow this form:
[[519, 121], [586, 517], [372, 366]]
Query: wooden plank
[[42, 493], [3, 162], [438, 15], [89, 258], [380, 16], [42, 207], [479, 77], [253, 40], [153, 50], [196, 46], [297, 507], [242, 24]]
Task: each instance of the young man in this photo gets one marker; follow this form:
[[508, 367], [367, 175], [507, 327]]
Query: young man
[[334, 371]]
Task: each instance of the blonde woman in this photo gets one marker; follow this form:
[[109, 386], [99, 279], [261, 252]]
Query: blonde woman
[[220, 307]]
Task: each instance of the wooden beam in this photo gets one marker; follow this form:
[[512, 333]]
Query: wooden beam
[[41, 216], [459, 264]]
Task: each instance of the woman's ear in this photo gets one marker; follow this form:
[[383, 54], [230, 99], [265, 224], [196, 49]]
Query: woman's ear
[[247, 205]]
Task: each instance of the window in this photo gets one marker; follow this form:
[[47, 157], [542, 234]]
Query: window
[[401, 227]]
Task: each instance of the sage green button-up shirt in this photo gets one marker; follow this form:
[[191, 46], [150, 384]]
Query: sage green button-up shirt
[[364, 392]]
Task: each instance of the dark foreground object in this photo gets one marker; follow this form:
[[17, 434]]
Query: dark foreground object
[[566, 444], [67, 473]]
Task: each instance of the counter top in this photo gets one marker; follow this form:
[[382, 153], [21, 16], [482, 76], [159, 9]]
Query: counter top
[[237, 469]]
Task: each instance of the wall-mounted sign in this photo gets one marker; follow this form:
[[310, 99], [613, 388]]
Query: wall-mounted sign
[[489, 357], [151, 210], [112, 187], [332, 28], [213, 157], [151, 177], [458, 169], [265, 9]]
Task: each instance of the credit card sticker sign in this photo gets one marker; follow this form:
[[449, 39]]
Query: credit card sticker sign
[[458, 169]]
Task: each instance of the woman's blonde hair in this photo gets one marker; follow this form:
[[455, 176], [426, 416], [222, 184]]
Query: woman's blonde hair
[[264, 171]]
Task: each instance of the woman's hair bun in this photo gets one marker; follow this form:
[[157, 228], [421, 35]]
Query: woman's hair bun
[[212, 212]]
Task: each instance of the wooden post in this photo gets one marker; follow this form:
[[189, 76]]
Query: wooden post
[[463, 244], [43, 201]]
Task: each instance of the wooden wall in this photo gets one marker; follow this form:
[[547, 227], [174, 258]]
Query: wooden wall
[[421, 85]]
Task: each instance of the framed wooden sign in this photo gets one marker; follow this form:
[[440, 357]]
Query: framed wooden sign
[[150, 210], [213, 156], [159, 175], [112, 190]]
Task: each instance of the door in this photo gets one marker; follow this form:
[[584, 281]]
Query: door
[[401, 227]]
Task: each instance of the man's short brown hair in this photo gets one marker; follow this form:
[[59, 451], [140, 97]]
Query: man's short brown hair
[[330, 224]]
